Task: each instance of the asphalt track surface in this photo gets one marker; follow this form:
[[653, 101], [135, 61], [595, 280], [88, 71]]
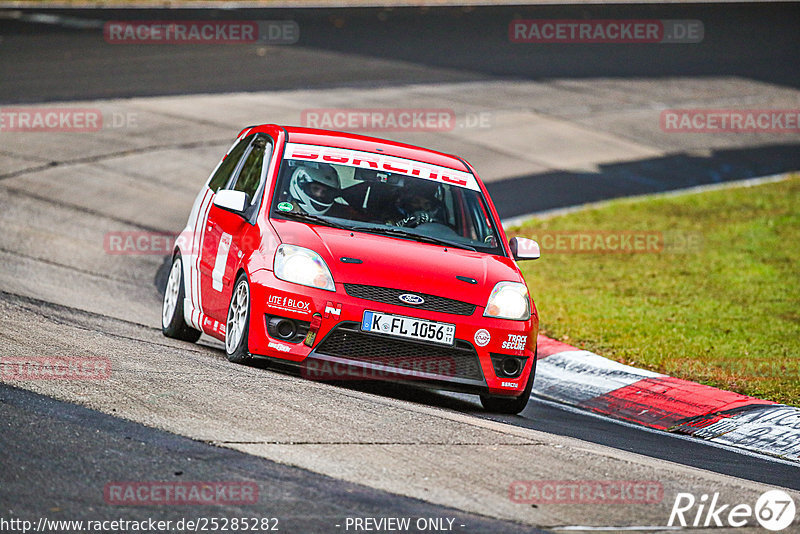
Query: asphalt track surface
[[38, 471], [363, 47], [83, 448]]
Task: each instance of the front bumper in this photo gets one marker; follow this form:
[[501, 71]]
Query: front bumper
[[341, 351], [348, 353]]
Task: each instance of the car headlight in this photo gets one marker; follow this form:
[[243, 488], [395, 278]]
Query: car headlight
[[302, 266], [509, 300]]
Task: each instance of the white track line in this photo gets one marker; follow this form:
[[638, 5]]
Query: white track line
[[578, 528]]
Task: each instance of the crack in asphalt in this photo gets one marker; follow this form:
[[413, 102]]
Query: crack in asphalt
[[70, 267], [182, 117], [31, 305], [111, 155], [82, 209], [142, 177], [17, 156]]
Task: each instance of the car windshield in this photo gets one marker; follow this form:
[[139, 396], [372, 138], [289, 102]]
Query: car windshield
[[369, 192]]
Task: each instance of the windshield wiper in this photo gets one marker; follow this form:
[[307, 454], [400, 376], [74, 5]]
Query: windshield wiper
[[307, 217], [398, 232], [385, 230]]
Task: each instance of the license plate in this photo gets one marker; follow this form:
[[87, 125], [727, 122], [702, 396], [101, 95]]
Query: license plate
[[399, 326]]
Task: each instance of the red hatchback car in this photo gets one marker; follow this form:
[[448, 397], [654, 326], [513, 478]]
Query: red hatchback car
[[356, 258]]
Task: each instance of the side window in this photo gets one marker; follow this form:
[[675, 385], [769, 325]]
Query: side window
[[250, 174], [228, 165]]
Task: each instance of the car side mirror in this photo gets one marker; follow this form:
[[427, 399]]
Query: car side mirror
[[235, 201], [523, 248]]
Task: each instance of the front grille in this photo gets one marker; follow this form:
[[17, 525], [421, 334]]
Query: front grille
[[348, 342], [390, 296]]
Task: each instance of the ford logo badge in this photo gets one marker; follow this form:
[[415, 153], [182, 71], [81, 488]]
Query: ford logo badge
[[410, 298]]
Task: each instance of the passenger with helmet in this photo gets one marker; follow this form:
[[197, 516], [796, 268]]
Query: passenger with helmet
[[313, 187]]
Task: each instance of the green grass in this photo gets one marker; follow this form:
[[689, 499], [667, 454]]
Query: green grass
[[723, 311]]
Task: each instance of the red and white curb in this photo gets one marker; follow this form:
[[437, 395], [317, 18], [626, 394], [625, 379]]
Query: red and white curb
[[588, 381]]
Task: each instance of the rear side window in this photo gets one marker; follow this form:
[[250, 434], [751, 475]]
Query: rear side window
[[228, 165], [250, 174]]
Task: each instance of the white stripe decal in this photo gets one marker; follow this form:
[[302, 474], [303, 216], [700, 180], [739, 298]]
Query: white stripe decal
[[194, 248], [221, 262], [197, 248]]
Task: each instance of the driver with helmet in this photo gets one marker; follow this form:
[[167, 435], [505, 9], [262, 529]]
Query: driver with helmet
[[418, 204], [313, 188]]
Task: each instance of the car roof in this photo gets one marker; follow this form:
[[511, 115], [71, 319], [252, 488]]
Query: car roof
[[375, 145]]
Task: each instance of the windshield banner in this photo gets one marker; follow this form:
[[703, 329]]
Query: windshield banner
[[380, 162]]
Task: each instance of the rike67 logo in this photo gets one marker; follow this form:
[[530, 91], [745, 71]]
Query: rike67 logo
[[774, 510]]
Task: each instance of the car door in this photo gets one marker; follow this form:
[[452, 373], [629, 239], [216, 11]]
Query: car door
[[226, 232]]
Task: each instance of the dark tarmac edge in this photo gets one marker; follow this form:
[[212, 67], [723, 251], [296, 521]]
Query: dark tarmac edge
[[755, 41], [555, 418], [39, 479]]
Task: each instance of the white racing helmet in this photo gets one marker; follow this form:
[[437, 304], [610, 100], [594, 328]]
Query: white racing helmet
[[314, 187]]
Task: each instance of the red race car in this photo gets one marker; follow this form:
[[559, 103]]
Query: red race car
[[352, 257]]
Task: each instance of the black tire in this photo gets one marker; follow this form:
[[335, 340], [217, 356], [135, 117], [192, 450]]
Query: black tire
[[511, 405], [237, 350], [172, 322]]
